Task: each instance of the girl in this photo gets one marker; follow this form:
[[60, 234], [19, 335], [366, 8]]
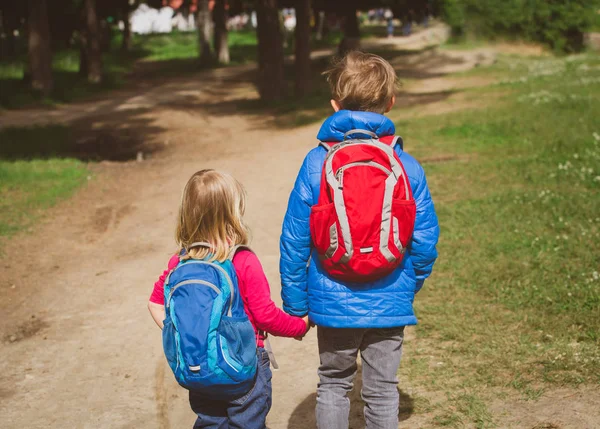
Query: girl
[[211, 211]]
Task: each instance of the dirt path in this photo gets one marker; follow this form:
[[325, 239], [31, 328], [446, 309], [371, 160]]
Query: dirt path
[[84, 352], [79, 348]]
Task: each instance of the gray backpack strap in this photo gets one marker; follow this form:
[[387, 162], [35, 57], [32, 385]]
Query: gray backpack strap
[[359, 131], [397, 140], [200, 244], [326, 146], [235, 249], [184, 253]]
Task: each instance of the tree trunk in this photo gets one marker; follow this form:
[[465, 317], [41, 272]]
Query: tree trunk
[[302, 47], [351, 40], [40, 54], [270, 51], [126, 12], [220, 20], [204, 33], [91, 55], [9, 22]]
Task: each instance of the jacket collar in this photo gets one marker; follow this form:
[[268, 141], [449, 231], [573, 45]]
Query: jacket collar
[[336, 125]]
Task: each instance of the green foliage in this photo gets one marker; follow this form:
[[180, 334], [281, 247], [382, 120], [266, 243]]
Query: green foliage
[[559, 24]]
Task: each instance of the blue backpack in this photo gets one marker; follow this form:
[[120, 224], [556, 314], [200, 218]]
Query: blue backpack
[[208, 339]]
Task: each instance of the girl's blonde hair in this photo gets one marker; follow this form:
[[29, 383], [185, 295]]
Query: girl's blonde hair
[[212, 207]]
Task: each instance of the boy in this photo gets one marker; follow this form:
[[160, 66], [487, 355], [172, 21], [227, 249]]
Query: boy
[[351, 316]]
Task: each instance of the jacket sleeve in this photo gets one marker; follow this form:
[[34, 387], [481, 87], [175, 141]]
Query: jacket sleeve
[[257, 299], [295, 246], [423, 251]]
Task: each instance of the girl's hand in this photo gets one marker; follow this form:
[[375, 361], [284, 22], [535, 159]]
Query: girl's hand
[[308, 325], [157, 312], [307, 321]]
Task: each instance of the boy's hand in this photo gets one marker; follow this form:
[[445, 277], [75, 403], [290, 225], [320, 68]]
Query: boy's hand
[[308, 326]]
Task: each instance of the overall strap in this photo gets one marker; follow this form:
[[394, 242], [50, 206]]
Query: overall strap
[[269, 350]]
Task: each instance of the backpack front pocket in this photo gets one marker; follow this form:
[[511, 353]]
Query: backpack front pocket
[[324, 230], [236, 347], [403, 222]]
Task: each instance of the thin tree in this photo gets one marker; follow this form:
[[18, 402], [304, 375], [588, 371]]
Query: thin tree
[[220, 39], [40, 54], [351, 39], [125, 16], [270, 50], [302, 47], [204, 33], [90, 64]]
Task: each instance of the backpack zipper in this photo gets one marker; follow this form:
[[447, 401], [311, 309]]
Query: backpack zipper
[[376, 143], [363, 163], [187, 282], [229, 281]]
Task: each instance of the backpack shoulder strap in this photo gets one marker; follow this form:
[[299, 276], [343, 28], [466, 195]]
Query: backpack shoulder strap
[[393, 141], [328, 145], [237, 248]]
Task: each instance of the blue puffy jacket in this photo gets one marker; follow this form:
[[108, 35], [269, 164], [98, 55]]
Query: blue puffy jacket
[[386, 302]]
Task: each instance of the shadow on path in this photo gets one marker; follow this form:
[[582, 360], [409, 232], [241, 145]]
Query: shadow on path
[[115, 133], [303, 417]]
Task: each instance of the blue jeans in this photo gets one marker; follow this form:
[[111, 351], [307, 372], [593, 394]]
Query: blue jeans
[[380, 350], [248, 412]]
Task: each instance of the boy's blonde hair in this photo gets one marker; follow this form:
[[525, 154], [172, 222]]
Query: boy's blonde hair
[[212, 207], [362, 81]]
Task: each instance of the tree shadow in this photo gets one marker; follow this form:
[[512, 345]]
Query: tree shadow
[[69, 85], [291, 111], [160, 69], [303, 416], [114, 134]]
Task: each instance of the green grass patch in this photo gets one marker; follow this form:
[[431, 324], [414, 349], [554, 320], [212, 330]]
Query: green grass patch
[[514, 302], [29, 184]]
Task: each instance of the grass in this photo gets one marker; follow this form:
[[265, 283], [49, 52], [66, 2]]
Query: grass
[[68, 85], [29, 185], [514, 303]]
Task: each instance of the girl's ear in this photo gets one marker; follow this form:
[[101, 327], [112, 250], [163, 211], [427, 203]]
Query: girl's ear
[[336, 105], [392, 102]]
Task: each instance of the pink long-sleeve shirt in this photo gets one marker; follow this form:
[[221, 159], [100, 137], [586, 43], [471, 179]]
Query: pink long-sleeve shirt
[[256, 294]]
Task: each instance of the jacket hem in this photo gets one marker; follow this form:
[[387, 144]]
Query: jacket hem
[[329, 321]]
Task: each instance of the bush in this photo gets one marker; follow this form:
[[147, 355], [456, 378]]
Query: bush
[[559, 24]]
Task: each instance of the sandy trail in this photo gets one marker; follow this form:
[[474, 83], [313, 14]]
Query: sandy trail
[[80, 350], [87, 354]]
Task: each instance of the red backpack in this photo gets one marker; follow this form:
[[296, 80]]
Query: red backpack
[[365, 215]]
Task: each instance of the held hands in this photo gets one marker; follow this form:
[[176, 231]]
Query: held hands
[[309, 324]]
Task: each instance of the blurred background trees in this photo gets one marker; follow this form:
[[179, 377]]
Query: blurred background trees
[[557, 23], [35, 29]]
